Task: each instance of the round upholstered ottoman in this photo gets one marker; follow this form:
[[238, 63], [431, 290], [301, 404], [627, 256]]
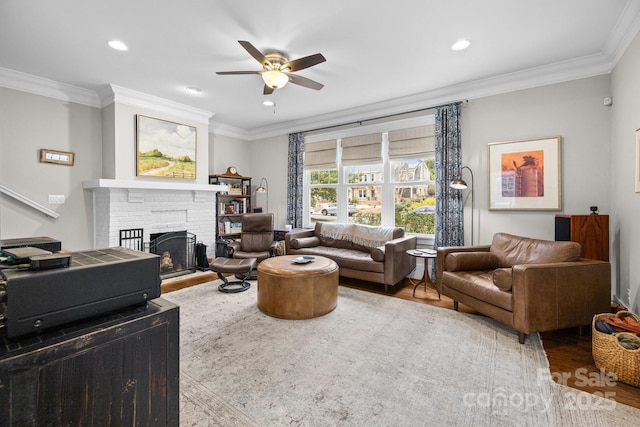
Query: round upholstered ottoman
[[291, 290]]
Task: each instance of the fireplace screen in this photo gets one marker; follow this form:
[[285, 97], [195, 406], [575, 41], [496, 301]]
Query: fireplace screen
[[177, 252]]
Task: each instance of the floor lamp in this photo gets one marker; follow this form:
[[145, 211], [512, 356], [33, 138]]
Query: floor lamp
[[461, 184], [264, 190]]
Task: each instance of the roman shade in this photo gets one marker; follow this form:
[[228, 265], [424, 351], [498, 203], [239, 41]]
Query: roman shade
[[363, 149], [413, 143], [320, 155]]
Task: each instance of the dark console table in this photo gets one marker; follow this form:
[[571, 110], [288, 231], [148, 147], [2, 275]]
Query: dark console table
[[119, 369]]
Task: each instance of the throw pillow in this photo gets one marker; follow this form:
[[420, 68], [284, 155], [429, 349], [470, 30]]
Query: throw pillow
[[304, 242], [502, 278], [470, 261], [377, 254]]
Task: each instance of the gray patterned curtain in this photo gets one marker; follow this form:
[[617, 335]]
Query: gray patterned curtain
[[294, 179], [449, 215]]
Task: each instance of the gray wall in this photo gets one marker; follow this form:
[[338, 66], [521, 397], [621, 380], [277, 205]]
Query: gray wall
[[225, 151], [575, 112], [27, 124], [625, 202], [269, 158]]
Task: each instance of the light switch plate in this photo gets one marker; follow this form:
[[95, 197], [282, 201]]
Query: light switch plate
[[56, 199]]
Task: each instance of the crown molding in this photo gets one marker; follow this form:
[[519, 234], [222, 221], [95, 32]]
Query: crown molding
[[45, 87], [623, 33], [230, 131], [111, 94]]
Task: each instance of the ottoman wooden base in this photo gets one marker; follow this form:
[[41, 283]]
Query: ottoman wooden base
[[297, 291]]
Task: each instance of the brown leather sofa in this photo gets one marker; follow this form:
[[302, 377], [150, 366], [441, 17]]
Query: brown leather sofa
[[528, 284], [374, 254]]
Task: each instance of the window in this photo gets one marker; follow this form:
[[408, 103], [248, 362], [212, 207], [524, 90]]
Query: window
[[414, 192], [386, 177], [412, 158], [364, 190]]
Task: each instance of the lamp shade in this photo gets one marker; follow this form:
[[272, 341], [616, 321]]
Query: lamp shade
[[261, 188], [264, 189], [458, 183], [275, 79]]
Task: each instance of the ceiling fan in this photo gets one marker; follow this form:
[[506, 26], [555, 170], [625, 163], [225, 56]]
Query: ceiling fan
[[278, 69]]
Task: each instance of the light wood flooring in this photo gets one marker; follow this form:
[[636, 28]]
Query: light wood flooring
[[568, 350]]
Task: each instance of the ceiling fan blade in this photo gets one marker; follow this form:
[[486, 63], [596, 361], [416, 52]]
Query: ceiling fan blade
[[268, 90], [302, 63], [303, 81], [223, 73], [254, 52]]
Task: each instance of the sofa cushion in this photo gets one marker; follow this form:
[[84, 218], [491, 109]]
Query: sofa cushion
[[345, 258], [502, 278], [479, 285], [465, 261], [304, 242], [512, 250], [377, 254]]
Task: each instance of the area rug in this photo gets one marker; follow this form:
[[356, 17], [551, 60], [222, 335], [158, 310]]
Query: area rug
[[374, 360]]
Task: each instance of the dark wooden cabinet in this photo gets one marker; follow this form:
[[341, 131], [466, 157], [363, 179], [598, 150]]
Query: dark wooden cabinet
[[119, 369], [591, 231]]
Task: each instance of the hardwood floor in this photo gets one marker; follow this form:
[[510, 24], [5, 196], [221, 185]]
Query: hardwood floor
[[568, 351]]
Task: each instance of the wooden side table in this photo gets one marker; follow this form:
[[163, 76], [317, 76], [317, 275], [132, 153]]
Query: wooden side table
[[426, 279]]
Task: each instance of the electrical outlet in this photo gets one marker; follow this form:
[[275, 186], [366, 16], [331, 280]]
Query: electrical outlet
[[56, 199]]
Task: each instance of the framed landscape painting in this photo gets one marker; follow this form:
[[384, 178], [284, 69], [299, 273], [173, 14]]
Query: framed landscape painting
[[525, 175], [165, 149]]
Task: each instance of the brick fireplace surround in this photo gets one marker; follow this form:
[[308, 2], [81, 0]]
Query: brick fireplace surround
[[156, 207]]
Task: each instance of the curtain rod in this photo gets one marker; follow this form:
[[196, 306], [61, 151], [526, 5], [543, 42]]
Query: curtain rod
[[360, 122]]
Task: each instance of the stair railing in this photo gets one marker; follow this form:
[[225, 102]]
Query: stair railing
[[27, 201]]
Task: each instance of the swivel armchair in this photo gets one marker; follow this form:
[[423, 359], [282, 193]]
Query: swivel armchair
[[256, 238]]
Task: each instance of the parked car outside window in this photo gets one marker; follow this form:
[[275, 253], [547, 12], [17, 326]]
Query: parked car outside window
[[424, 210], [332, 209]]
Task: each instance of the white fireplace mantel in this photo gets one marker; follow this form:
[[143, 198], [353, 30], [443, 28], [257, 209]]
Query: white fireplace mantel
[[149, 185], [153, 206]]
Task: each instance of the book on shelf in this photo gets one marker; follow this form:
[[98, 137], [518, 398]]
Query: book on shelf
[[230, 208], [234, 207]]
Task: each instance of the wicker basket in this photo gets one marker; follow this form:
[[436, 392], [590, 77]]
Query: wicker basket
[[610, 356]]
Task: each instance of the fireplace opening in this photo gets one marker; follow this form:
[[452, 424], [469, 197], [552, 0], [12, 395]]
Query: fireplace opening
[[177, 252]]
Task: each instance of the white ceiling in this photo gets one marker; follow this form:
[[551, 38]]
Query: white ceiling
[[382, 56]]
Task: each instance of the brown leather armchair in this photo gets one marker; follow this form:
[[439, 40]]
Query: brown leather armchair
[[256, 238], [528, 284]]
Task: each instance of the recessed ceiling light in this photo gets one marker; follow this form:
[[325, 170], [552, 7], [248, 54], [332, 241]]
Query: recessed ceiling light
[[117, 45], [194, 90], [268, 103], [461, 44]]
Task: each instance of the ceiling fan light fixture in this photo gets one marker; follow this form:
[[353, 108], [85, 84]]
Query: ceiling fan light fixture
[[275, 79]]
